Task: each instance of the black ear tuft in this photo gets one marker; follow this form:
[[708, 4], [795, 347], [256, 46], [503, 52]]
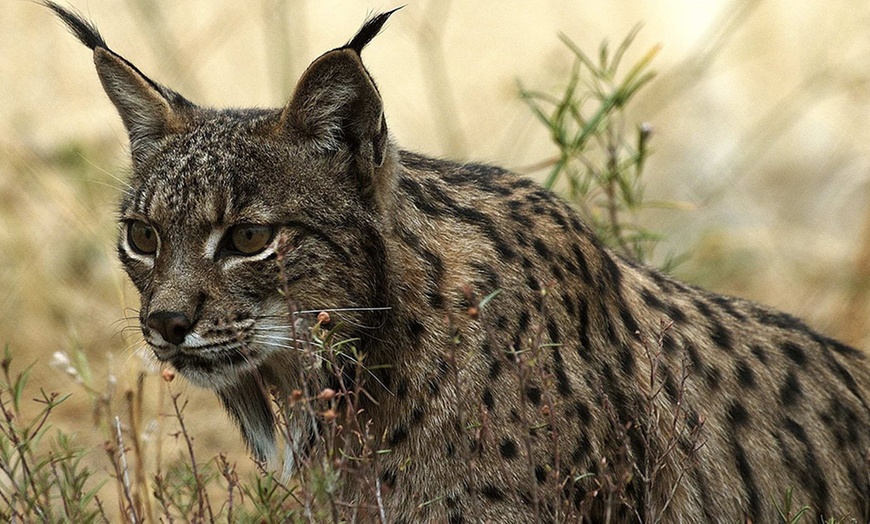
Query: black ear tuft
[[149, 110], [84, 30], [369, 30]]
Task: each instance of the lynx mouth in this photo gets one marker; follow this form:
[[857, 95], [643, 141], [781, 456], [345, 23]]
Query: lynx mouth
[[207, 358]]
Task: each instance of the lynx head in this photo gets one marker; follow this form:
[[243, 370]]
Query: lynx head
[[231, 213]]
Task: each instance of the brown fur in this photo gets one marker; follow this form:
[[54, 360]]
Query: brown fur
[[539, 405]]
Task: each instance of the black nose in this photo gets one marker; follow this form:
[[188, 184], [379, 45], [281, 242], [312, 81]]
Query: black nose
[[172, 325]]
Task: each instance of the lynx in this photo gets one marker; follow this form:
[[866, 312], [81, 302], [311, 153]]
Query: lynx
[[519, 370]]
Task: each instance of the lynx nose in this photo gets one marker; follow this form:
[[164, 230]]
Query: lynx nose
[[173, 326]]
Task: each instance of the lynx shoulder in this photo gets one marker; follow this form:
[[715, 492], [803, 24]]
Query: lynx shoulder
[[513, 368]]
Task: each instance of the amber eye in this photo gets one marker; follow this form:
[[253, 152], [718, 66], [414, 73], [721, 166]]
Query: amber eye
[[248, 239], [142, 237]]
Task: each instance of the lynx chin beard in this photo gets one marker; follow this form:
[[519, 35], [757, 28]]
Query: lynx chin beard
[[254, 373]]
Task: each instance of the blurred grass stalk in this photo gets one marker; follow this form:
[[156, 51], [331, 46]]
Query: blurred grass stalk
[[601, 165]]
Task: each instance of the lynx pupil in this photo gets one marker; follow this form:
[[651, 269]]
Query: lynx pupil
[[142, 238]]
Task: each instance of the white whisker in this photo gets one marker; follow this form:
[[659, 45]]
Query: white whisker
[[339, 310]]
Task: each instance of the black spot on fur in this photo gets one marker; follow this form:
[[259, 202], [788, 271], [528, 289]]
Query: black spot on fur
[[651, 300], [558, 219], [720, 336], [759, 353], [399, 435], [609, 328], [777, 319], [582, 412], [435, 299], [794, 353], [626, 358], [563, 383], [713, 377], [661, 281], [612, 270], [508, 449], [437, 193], [388, 477], [581, 450], [492, 279], [401, 387], [790, 392], [553, 331], [671, 389], [669, 343], [694, 358], [627, 319], [624, 405], [492, 493], [568, 302], [811, 477], [522, 219], [585, 348], [416, 329], [747, 476], [702, 307], [737, 414], [540, 474], [533, 393], [541, 248], [521, 183], [494, 369], [676, 314], [581, 264], [523, 323], [420, 200], [727, 306], [745, 375], [843, 423], [417, 415], [839, 347], [488, 399]]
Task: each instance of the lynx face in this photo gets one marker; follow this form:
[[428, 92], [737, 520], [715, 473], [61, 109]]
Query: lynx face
[[202, 227], [239, 225]]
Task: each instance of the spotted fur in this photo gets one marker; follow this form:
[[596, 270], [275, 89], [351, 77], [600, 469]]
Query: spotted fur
[[514, 411]]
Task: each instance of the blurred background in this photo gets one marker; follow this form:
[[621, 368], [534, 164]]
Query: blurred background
[[760, 114]]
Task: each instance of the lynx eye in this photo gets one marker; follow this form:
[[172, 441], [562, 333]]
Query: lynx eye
[[142, 237], [248, 239]]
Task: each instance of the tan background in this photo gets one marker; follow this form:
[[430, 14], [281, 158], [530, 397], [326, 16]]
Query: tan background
[[761, 116]]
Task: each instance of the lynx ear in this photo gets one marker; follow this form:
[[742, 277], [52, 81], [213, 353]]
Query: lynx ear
[[149, 111], [337, 105]]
